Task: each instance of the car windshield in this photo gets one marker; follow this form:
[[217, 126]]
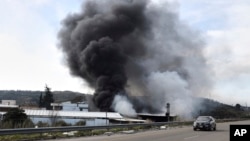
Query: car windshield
[[203, 119]]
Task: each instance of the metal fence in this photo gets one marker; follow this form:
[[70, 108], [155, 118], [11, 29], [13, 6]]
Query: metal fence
[[81, 128]]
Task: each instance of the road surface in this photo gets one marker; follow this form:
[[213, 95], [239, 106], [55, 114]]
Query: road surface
[[175, 134]]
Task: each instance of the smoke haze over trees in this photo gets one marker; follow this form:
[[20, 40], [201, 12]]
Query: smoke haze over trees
[[136, 47]]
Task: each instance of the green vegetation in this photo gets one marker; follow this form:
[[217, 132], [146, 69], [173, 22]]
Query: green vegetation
[[81, 123], [16, 118], [61, 123], [42, 124], [47, 99], [222, 111], [29, 137]]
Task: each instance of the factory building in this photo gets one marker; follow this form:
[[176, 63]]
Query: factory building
[[69, 112]]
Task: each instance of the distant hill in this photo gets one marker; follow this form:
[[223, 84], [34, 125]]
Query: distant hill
[[32, 97], [220, 110], [207, 106]]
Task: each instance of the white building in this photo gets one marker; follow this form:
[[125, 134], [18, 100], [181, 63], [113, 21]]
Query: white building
[[68, 106], [71, 113], [8, 102], [91, 118]]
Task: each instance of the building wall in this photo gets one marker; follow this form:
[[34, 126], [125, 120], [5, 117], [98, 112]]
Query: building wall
[[89, 122], [74, 107], [68, 106], [9, 102]]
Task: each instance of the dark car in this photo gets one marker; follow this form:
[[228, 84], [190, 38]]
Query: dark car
[[204, 123]]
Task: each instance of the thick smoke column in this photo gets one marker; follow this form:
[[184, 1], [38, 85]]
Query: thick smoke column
[[99, 41], [135, 47]]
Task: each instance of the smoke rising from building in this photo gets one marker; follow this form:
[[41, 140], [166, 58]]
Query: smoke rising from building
[[136, 48]]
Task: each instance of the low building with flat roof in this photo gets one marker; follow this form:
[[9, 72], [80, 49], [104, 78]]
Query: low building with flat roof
[[7, 104]]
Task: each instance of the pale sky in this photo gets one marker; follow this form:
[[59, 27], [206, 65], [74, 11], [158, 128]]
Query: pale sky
[[29, 57]]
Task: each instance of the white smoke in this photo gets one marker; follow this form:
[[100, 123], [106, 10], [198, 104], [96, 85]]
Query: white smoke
[[169, 87], [122, 105], [174, 69], [157, 56]]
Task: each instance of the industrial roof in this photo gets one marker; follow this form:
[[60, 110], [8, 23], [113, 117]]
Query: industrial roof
[[73, 114], [155, 115]]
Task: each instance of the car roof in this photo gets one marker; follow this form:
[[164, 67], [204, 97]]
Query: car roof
[[205, 116]]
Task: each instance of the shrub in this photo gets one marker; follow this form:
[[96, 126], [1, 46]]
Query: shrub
[[16, 118], [42, 124], [80, 123], [61, 123]]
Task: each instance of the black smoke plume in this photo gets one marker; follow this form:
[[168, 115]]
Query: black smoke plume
[[134, 47], [98, 42]]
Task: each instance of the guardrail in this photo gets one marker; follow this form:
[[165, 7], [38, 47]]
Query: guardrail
[[80, 128]]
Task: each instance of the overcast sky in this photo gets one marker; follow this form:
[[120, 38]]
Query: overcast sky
[[29, 57]]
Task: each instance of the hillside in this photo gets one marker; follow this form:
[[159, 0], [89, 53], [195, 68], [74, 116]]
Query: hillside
[[207, 106], [32, 97], [221, 110]]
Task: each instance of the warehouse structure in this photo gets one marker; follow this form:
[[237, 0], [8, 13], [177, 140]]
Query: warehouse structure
[[71, 113]]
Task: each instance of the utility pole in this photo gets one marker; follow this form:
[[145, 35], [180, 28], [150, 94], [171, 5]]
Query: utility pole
[[106, 118], [168, 111]]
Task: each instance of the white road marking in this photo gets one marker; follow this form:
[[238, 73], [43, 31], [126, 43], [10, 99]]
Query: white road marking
[[187, 138]]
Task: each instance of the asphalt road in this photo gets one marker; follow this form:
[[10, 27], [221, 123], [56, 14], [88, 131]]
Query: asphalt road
[[173, 134]]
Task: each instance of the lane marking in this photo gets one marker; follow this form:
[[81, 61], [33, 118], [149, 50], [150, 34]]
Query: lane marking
[[187, 138]]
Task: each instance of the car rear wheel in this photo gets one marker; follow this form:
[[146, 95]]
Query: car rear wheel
[[211, 128]]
